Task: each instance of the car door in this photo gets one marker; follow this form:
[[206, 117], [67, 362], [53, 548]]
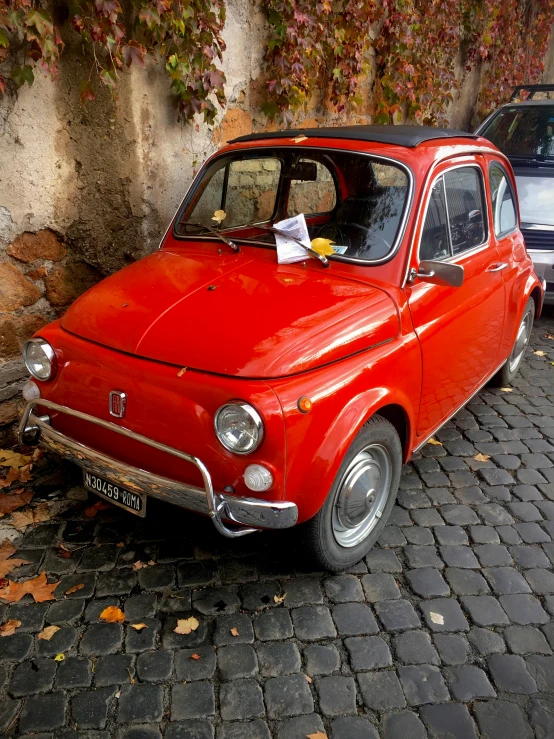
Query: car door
[[510, 245], [459, 328]]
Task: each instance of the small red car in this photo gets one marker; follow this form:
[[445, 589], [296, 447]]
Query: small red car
[[269, 394]]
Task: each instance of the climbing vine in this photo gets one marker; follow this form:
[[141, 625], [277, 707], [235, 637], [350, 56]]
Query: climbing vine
[[416, 44], [391, 59], [185, 35]]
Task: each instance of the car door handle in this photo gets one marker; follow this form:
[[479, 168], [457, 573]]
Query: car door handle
[[497, 267]]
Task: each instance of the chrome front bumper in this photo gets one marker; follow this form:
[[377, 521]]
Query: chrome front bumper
[[252, 513]]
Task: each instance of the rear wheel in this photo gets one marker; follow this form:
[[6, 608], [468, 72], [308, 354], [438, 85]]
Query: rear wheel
[[360, 501], [509, 370]]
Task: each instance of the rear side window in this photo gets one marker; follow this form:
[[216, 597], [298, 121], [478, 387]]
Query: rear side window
[[455, 219], [503, 201]]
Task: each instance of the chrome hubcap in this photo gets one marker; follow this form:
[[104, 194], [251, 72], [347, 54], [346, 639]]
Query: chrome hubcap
[[522, 340], [362, 495]]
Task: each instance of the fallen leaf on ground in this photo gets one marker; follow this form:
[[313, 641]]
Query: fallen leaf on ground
[[59, 657], [22, 519], [12, 476], [219, 215], [13, 459], [181, 372], [63, 553], [548, 336], [308, 678], [120, 544], [279, 598], [437, 618], [112, 615], [434, 442], [186, 625], [38, 587], [138, 565], [7, 548], [48, 632], [139, 627], [506, 390], [540, 353], [234, 631], [195, 656], [94, 509], [131, 678], [7, 565], [9, 503], [317, 735], [75, 588], [299, 139], [9, 627], [481, 457]]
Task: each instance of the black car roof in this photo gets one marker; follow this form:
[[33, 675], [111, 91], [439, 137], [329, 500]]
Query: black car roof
[[409, 136]]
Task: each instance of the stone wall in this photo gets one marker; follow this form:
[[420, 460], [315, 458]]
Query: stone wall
[[87, 190]]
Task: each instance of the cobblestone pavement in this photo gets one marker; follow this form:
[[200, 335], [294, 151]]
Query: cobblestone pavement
[[444, 631]]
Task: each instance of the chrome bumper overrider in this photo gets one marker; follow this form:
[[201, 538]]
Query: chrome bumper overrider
[[250, 512]]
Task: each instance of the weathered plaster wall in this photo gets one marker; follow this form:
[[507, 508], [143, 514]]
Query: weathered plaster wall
[[86, 190]]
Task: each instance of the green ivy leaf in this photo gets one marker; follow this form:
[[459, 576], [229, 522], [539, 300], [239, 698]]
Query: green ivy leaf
[[23, 74], [4, 40]]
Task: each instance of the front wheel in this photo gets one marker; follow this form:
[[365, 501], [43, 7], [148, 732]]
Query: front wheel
[[360, 500], [509, 370]]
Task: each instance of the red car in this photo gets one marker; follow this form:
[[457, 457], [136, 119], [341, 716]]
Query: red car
[[267, 394]]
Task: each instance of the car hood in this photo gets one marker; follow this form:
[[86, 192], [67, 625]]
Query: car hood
[[233, 315]]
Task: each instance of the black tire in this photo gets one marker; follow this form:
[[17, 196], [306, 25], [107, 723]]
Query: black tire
[[505, 375], [317, 534]]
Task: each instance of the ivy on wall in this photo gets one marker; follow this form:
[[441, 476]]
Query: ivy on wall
[[184, 34], [325, 44], [398, 54]]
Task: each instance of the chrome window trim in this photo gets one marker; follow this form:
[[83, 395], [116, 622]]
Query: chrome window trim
[[484, 244], [335, 257], [504, 234]]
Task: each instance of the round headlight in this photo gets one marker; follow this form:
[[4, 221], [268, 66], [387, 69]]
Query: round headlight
[[239, 427], [40, 359]]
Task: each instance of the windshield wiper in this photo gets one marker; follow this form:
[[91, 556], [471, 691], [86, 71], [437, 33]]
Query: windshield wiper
[[271, 229], [215, 232]]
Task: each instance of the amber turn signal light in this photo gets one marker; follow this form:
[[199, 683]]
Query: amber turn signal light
[[305, 405]]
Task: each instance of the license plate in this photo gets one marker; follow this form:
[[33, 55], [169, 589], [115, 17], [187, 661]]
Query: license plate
[[133, 502]]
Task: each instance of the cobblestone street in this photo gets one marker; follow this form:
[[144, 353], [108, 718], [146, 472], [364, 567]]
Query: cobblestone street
[[444, 631]]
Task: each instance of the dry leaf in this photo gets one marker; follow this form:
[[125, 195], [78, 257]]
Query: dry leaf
[[308, 678], [48, 632], [120, 545], [322, 246], [234, 631], [139, 627], [38, 587], [548, 336], [219, 215], [151, 563], [6, 549], [299, 139], [22, 519], [195, 656], [181, 372], [9, 627], [94, 509], [112, 615], [279, 598], [436, 618], [540, 353], [506, 390], [116, 695], [75, 588], [434, 442], [186, 625], [481, 457], [317, 735], [59, 657], [9, 503], [13, 459], [7, 565]]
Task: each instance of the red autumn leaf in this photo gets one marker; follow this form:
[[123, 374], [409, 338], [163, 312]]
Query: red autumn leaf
[[134, 52]]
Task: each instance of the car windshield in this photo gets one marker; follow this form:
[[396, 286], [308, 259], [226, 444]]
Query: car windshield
[[359, 202], [525, 131]]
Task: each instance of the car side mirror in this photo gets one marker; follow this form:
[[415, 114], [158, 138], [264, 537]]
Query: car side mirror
[[438, 273]]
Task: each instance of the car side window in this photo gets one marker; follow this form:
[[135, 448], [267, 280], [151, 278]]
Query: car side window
[[503, 201], [434, 237], [465, 200]]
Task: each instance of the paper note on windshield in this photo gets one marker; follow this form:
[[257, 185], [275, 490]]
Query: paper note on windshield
[[288, 250]]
